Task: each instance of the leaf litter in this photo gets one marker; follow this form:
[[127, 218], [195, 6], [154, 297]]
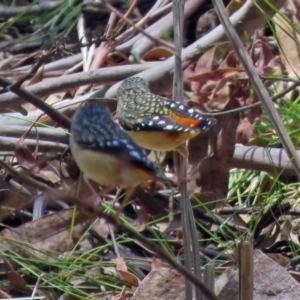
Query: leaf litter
[[79, 253]]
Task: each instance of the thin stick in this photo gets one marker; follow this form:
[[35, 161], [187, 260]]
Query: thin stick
[[191, 246], [245, 249]]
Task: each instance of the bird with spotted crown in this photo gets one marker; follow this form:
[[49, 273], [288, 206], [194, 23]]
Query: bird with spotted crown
[[155, 122], [105, 152]]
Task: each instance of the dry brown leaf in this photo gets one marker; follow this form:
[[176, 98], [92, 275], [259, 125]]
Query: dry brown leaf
[[158, 53], [212, 85], [266, 61], [269, 235], [41, 234], [220, 96], [15, 279], [49, 173], [24, 156], [246, 126], [123, 271], [42, 170], [214, 75], [204, 65]]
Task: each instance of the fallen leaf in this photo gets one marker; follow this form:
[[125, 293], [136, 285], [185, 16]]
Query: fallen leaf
[[123, 271], [158, 53]]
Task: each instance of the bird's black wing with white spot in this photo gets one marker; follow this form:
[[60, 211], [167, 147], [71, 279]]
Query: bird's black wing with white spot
[[156, 123], [180, 108], [185, 111]]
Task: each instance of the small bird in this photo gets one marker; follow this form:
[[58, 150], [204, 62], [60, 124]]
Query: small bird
[[105, 152], [155, 122]]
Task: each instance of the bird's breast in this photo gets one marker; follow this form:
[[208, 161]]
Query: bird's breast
[[106, 169], [160, 140]]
